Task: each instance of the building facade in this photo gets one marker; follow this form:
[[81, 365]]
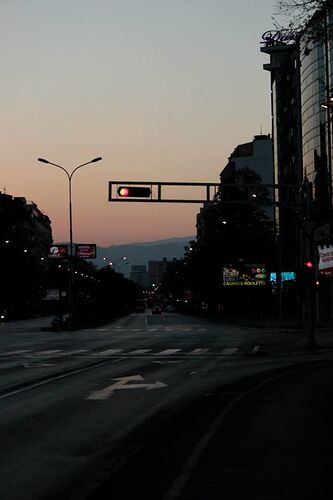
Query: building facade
[[25, 238]]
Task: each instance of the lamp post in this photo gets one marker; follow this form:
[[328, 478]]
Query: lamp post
[[70, 176]]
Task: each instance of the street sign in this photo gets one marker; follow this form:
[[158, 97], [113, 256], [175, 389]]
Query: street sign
[[85, 251]]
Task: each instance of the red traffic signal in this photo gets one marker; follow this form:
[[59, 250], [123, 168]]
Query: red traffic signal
[[308, 264], [134, 192]]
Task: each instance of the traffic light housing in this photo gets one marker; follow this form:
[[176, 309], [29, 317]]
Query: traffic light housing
[[307, 274], [134, 192]]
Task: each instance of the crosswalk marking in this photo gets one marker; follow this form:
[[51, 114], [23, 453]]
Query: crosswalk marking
[[10, 353], [139, 351], [199, 350], [52, 351], [229, 350], [182, 351], [166, 352], [108, 352]]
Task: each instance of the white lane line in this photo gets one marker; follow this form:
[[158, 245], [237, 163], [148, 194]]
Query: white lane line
[[73, 353], [166, 352], [169, 329], [136, 329], [256, 348], [108, 352], [9, 353], [152, 329], [229, 350], [199, 350], [202, 329], [51, 351], [185, 329], [139, 351]]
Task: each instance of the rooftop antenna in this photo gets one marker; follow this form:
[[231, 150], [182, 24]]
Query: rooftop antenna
[[4, 190], [260, 128]]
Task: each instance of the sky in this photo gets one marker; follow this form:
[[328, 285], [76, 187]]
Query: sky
[[163, 90]]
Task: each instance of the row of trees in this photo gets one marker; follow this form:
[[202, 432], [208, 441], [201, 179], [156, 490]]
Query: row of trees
[[32, 286]]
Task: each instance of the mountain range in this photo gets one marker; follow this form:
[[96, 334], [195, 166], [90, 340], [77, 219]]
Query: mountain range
[[141, 253]]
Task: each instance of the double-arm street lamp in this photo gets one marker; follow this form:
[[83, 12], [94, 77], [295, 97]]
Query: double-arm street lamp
[[69, 176]]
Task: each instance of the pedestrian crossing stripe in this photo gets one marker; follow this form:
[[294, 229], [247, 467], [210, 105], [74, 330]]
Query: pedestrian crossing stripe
[[198, 351]]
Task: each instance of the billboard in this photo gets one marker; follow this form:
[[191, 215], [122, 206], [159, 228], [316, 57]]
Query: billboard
[[242, 274], [325, 263], [58, 252], [85, 251]]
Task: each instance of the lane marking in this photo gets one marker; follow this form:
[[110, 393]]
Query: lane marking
[[108, 352], [199, 350], [139, 351], [256, 348], [123, 383], [167, 352], [52, 351], [229, 350], [10, 353]]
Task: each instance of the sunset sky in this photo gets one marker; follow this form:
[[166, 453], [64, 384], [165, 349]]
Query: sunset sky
[[163, 90]]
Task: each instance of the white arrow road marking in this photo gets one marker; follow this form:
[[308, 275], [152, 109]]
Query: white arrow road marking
[[122, 383]]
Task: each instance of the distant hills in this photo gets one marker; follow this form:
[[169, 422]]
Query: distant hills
[[142, 253]]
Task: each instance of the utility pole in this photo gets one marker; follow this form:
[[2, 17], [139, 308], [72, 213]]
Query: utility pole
[[309, 269]]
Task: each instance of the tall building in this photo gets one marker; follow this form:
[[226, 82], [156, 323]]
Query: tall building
[[257, 157], [284, 68], [316, 84], [25, 238]]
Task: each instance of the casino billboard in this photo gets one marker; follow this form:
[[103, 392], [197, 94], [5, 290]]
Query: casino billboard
[[244, 275]]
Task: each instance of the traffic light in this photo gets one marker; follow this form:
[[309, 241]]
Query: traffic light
[[307, 274], [134, 192]]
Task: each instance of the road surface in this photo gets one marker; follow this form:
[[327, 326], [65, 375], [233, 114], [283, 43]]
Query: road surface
[[173, 406]]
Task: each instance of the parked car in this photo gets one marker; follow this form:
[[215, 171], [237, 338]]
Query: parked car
[[156, 310]]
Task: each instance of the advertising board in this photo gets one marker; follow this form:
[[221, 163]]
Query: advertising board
[[325, 263], [85, 251], [58, 252], [242, 274]]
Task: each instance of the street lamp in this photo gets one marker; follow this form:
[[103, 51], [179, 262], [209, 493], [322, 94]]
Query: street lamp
[[69, 176]]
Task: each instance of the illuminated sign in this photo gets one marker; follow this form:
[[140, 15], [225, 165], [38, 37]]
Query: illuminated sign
[[325, 264], [244, 275], [58, 252], [285, 276], [85, 251]]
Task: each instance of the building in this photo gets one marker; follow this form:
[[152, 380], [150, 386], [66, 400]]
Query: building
[[25, 238], [140, 276], [302, 105], [257, 156]]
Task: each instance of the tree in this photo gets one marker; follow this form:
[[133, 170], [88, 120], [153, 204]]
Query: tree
[[305, 18]]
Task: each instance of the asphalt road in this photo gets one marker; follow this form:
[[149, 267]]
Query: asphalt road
[[163, 407]]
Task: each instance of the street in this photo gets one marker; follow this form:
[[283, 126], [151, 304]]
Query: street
[[142, 403]]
